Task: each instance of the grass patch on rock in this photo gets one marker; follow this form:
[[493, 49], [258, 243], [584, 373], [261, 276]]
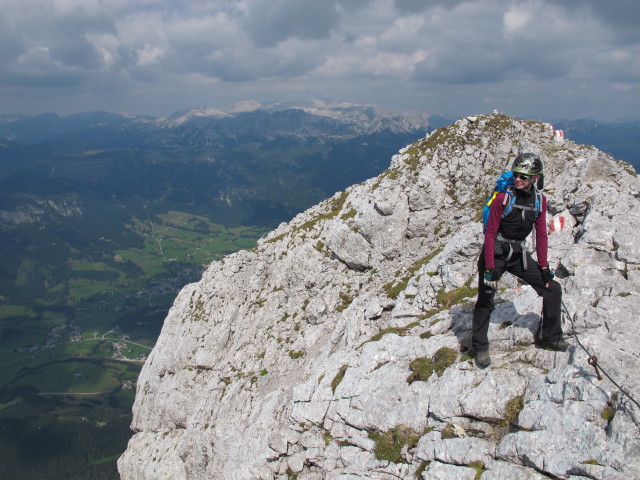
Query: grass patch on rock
[[454, 297], [423, 466], [338, 378], [395, 287], [335, 206], [608, 413], [512, 409], [479, 468], [389, 445], [422, 368], [401, 331], [346, 301]]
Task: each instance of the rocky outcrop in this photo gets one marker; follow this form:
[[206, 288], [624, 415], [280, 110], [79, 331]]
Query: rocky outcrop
[[334, 348], [32, 208]]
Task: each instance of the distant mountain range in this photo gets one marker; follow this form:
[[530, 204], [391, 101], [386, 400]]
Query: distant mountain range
[[209, 127], [205, 127], [621, 140], [265, 164]]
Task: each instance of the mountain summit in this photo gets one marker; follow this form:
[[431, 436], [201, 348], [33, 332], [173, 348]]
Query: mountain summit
[[333, 349]]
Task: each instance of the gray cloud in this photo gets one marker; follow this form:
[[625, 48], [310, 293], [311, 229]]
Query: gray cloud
[[46, 50], [416, 6], [354, 5], [622, 16], [273, 21], [75, 55], [516, 43]]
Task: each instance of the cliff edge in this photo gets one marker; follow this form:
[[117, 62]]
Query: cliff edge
[[334, 348]]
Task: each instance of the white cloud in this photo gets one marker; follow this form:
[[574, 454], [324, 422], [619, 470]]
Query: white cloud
[[403, 34], [149, 55], [515, 20], [384, 64]]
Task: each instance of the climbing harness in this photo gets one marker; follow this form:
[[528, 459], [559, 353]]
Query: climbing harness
[[521, 243]]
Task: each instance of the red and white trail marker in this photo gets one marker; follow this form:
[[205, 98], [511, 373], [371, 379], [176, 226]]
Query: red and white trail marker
[[557, 224]]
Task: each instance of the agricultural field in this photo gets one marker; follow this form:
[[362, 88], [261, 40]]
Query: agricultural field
[[99, 296], [70, 358]]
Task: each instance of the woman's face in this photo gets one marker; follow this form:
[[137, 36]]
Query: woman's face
[[522, 181]]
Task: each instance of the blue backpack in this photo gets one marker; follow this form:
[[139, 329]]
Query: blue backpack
[[505, 184]]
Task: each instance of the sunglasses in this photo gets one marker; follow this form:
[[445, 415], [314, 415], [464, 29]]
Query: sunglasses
[[522, 176]]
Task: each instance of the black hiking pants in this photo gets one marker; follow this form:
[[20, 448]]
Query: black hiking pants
[[551, 299]]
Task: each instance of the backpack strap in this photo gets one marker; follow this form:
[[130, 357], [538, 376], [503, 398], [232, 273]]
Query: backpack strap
[[537, 208], [508, 201]]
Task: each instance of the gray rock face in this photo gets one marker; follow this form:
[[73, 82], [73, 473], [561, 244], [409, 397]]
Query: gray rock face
[[31, 208], [308, 357]]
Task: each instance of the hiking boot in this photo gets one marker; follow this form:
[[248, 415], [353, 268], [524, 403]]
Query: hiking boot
[[483, 360], [557, 345]]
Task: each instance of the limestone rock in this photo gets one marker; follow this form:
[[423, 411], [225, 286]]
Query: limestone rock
[[333, 349]]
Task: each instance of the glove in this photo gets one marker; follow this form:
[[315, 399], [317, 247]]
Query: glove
[[547, 275], [491, 277]]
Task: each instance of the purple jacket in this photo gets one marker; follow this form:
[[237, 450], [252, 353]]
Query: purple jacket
[[493, 223]]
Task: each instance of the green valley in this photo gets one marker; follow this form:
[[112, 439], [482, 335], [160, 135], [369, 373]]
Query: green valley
[[71, 350]]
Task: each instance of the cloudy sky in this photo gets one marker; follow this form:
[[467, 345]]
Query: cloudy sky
[[535, 59]]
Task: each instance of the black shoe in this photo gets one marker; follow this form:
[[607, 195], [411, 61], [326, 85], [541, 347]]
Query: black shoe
[[483, 360], [556, 345]]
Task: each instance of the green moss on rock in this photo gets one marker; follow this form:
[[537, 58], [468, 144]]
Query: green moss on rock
[[389, 445], [424, 367], [338, 378]]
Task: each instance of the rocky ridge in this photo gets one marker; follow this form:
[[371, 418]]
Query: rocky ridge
[[209, 127], [333, 349], [32, 208], [206, 127]]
